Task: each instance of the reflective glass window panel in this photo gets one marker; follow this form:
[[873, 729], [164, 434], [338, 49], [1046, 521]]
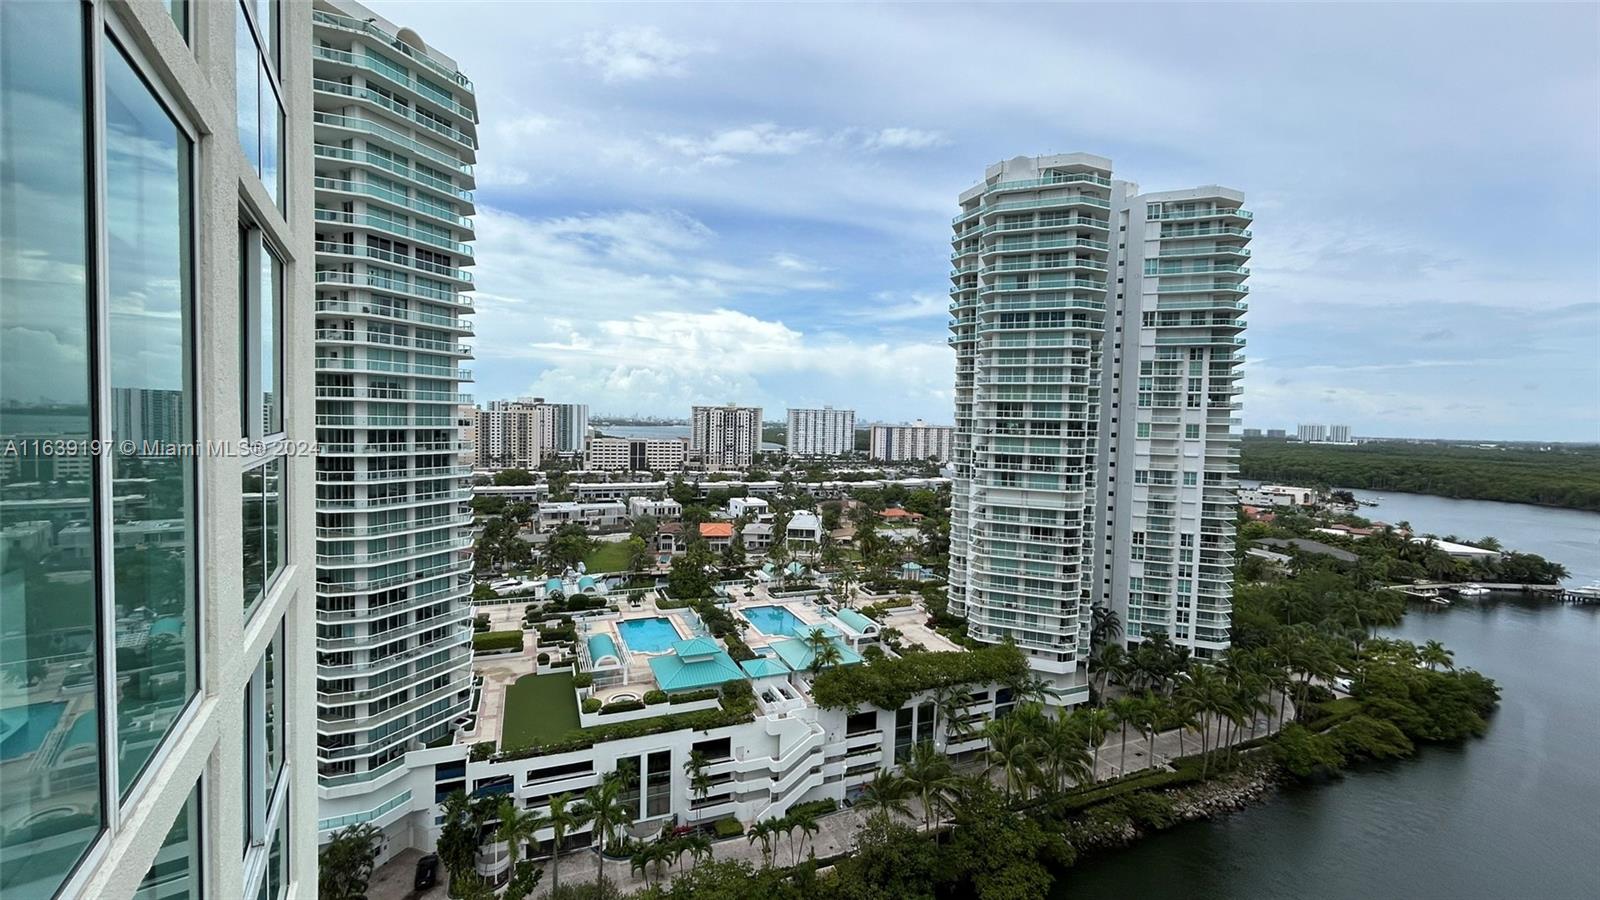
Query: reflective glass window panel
[[255, 537], [147, 231], [272, 678], [246, 92], [175, 874], [268, 315], [50, 773], [271, 520]]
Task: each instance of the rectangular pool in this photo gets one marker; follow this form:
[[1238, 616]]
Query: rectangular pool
[[775, 620], [649, 635]]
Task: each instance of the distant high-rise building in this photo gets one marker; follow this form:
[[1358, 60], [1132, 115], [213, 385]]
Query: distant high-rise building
[[1311, 433], [918, 440], [563, 427], [395, 139], [510, 434], [726, 437], [1252, 432], [821, 432], [157, 603], [1036, 538], [1277, 433], [1339, 434]]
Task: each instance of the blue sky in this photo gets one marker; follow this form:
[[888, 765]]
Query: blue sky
[[705, 203]]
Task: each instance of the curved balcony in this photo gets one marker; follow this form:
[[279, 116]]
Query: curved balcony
[[341, 364], [1042, 203], [396, 200], [379, 476], [1059, 178], [398, 140], [379, 339], [1046, 266], [406, 260], [395, 314], [1184, 232], [1226, 287], [339, 89], [356, 26], [375, 223], [1185, 215], [418, 448], [356, 532], [397, 77], [379, 584], [367, 158], [378, 283]]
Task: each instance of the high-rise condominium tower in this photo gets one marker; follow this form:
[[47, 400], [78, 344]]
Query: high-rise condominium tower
[[1096, 332], [726, 437], [395, 131], [156, 600], [821, 432]]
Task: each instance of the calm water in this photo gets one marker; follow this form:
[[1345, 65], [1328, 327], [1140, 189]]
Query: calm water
[[1515, 814]]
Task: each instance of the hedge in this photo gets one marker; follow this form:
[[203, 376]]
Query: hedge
[[728, 827], [889, 683], [591, 704], [565, 634], [690, 696], [652, 698], [583, 679], [488, 641], [814, 807], [621, 706]]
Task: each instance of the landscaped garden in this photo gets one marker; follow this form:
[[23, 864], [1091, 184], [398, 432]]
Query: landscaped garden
[[607, 556], [539, 708]]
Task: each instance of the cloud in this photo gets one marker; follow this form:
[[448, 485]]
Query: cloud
[[892, 308], [636, 53], [762, 139], [904, 139]]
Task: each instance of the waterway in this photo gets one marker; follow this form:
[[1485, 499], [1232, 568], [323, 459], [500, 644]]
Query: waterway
[[1515, 814]]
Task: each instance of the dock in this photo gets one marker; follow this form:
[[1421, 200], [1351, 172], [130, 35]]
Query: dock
[[1429, 590]]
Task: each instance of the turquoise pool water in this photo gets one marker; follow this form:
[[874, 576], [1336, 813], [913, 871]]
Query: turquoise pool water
[[775, 620], [649, 635], [25, 727]]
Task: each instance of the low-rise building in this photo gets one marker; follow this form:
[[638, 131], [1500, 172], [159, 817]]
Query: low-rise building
[[717, 535], [1277, 495], [617, 490], [519, 493], [604, 514], [617, 454], [664, 510], [754, 506], [804, 533]]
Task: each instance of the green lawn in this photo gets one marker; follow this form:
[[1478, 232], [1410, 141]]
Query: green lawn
[[610, 557], [538, 708]]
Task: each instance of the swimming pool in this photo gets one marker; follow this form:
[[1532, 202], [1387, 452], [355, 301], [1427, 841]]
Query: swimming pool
[[25, 727], [776, 620], [649, 635]]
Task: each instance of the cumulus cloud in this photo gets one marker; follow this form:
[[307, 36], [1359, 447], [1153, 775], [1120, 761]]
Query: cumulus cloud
[[904, 139], [761, 139], [635, 53]]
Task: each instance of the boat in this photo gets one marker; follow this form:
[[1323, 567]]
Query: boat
[[1470, 590]]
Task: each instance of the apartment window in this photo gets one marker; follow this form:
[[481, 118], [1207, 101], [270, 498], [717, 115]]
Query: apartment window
[[262, 516], [179, 10], [1141, 429], [259, 111], [265, 801], [150, 314], [1189, 479], [260, 335], [1191, 432], [175, 874], [903, 725], [45, 594]]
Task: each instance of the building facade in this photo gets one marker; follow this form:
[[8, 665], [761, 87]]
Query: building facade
[[157, 216], [821, 432], [609, 454], [1169, 470], [395, 138], [563, 427], [1339, 434], [1045, 337], [726, 437], [510, 435], [1308, 434], [919, 440]]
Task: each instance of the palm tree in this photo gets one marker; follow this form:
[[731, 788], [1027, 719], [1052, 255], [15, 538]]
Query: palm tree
[[515, 827], [1035, 689], [1011, 749], [699, 847], [1107, 662], [608, 813], [1435, 654], [1062, 751], [885, 794], [1127, 711], [1096, 723], [930, 775], [806, 824], [765, 831], [695, 769], [1151, 709], [562, 820], [824, 652]]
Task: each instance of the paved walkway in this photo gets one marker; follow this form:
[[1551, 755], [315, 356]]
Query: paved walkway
[[838, 830], [393, 879]]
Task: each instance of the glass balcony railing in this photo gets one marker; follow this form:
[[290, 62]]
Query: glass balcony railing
[[387, 164], [383, 132]]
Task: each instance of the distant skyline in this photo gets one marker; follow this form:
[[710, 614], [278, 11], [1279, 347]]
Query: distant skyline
[[682, 204]]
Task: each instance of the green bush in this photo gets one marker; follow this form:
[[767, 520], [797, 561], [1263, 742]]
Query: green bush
[[728, 827], [482, 750], [691, 696], [480, 622], [889, 683], [544, 659], [621, 706], [814, 807], [583, 679], [490, 641], [591, 704], [651, 698], [565, 634]]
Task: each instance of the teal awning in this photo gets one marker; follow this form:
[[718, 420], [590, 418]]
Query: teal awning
[[764, 667], [601, 646], [797, 654], [856, 621], [677, 673]]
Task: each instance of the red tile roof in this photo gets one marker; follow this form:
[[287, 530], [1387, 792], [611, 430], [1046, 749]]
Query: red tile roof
[[716, 529], [896, 512]]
